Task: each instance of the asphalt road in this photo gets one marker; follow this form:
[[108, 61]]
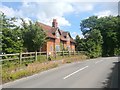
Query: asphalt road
[[93, 73]]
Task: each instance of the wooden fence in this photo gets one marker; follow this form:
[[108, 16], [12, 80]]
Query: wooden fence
[[34, 55]]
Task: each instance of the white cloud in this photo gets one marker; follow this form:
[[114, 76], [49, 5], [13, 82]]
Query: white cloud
[[46, 11], [83, 7], [61, 21], [104, 13], [61, 0], [7, 11], [18, 22], [74, 34], [27, 20]]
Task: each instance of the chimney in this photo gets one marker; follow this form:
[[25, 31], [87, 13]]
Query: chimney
[[54, 23]]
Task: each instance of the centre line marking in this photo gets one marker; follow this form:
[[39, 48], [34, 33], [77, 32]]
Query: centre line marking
[[75, 72], [98, 61]]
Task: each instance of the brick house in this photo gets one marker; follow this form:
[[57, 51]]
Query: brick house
[[57, 40]]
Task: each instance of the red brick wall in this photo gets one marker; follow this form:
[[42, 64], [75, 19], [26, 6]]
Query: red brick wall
[[50, 45], [68, 43], [53, 42], [64, 45], [72, 46], [44, 48], [57, 41]]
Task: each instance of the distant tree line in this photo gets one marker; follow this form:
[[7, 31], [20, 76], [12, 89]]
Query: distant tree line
[[101, 36], [14, 38]]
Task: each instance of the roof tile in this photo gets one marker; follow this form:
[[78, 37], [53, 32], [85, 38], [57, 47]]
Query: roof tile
[[51, 30]]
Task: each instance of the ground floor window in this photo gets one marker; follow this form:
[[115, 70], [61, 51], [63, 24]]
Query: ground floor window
[[57, 47], [68, 47], [51, 48]]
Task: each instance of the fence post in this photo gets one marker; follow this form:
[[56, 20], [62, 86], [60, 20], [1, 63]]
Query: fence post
[[35, 56], [47, 55], [78, 52], [68, 53], [55, 54], [20, 58], [63, 53]]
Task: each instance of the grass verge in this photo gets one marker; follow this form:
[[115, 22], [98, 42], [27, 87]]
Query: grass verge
[[13, 73]]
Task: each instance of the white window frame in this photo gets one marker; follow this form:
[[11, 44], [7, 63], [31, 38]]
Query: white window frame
[[57, 48], [51, 48], [68, 47], [68, 38], [57, 34]]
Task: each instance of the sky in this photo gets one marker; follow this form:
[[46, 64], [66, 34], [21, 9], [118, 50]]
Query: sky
[[69, 13]]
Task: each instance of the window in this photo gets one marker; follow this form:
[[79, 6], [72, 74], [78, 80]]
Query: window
[[68, 38], [51, 48], [57, 34], [57, 47], [68, 47]]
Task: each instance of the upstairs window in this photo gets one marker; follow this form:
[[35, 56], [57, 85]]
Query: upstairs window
[[57, 34], [68, 38]]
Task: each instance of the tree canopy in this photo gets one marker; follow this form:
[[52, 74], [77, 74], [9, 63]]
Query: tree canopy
[[34, 37], [11, 35], [16, 39], [102, 35]]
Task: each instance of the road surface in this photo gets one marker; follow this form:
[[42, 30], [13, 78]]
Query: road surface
[[93, 73]]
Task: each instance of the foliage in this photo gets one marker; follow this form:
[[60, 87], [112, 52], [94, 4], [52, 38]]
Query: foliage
[[29, 37], [102, 34], [10, 73], [11, 35], [91, 44], [33, 36], [61, 47], [77, 40]]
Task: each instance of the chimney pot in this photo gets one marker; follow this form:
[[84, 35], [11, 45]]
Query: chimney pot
[[54, 23]]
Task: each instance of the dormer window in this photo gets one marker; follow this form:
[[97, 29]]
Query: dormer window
[[68, 38], [57, 34], [53, 33]]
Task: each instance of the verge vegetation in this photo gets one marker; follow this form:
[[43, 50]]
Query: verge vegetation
[[13, 72]]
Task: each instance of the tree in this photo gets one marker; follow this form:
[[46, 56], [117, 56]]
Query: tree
[[88, 24], [109, 33], [11, 35], [117, 50], [80, 44], [77, 40], [109, 29], [94, 43], [33, 36]]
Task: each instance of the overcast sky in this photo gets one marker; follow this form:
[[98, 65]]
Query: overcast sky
[[68, 13]]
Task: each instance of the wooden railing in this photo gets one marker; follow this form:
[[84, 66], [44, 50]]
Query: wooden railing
[[34, 55]]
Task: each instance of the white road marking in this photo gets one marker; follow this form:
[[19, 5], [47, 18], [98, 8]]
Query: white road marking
[[75, 72], [98, 61]]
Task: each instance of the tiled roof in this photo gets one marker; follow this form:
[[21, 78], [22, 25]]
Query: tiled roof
[[50, 32], [72, 40]]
